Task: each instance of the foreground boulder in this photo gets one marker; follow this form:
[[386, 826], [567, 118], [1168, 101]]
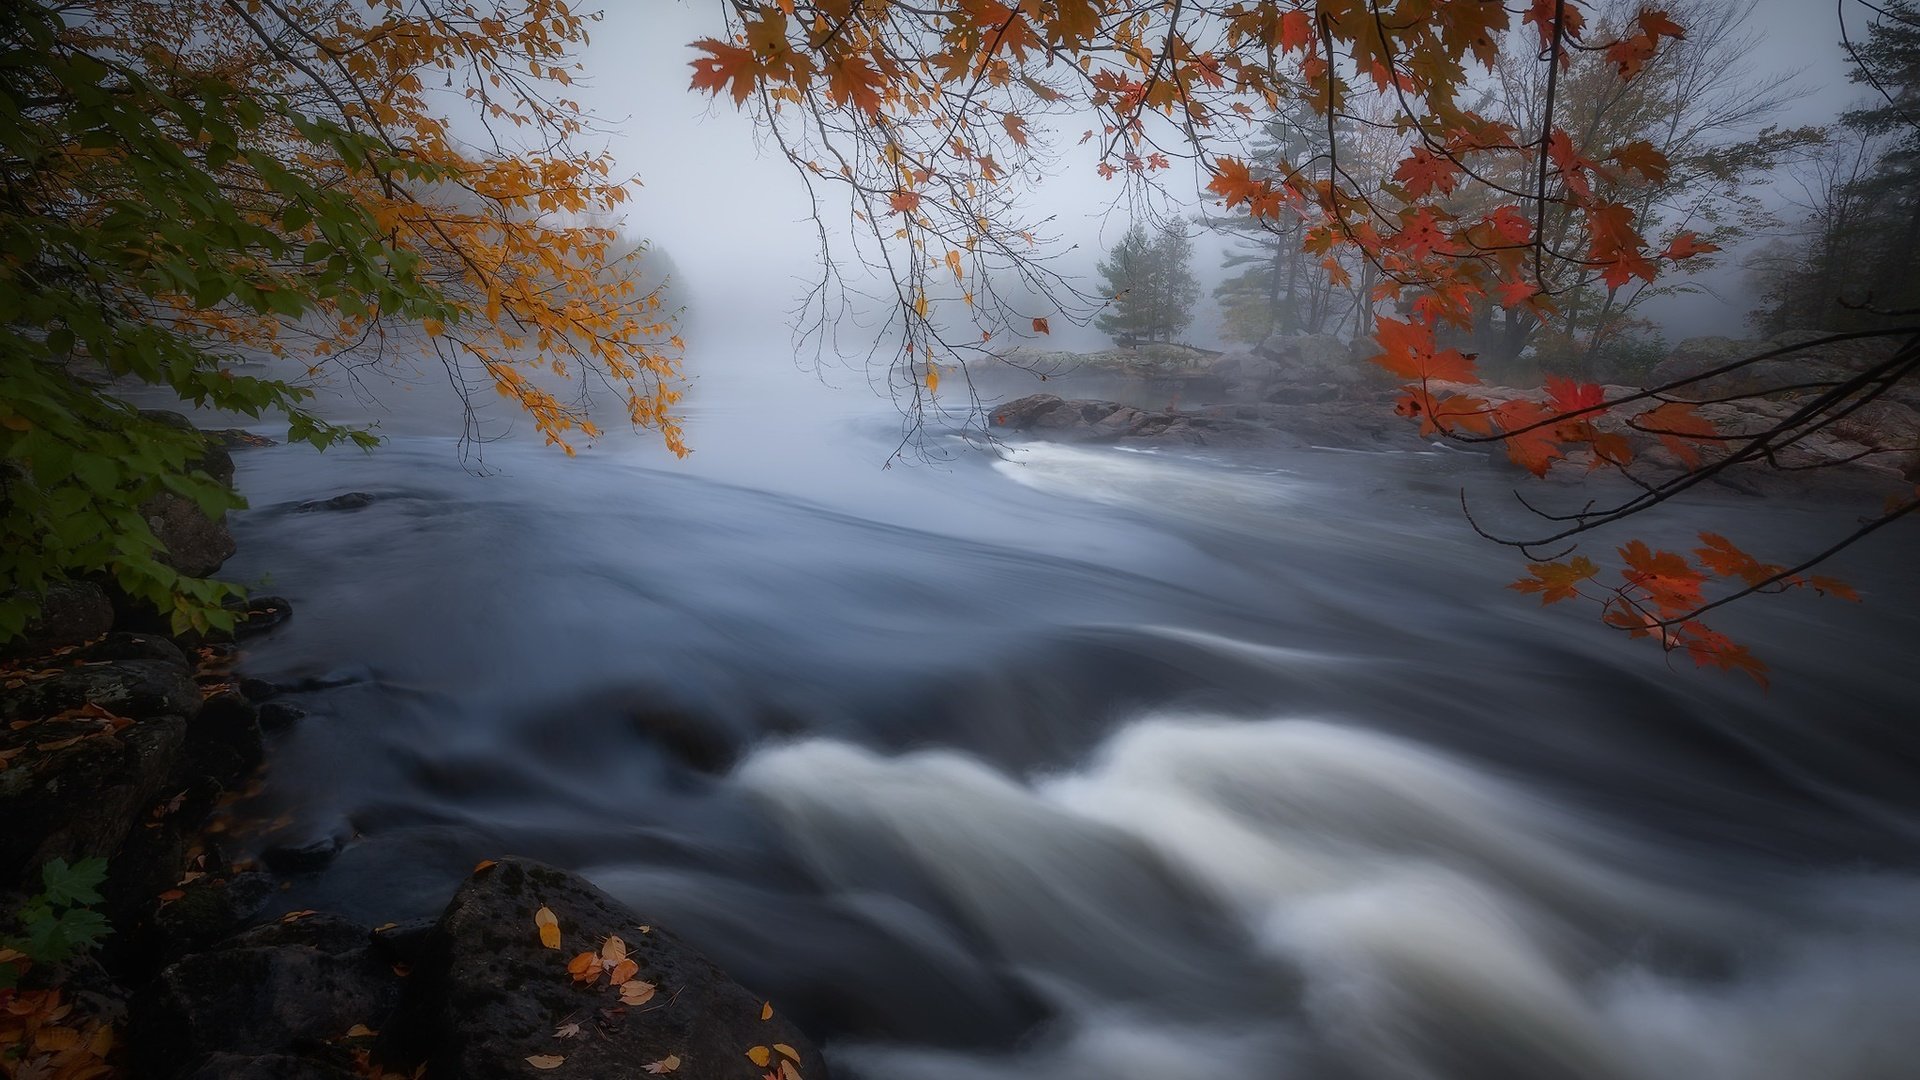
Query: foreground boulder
[[487, 995]]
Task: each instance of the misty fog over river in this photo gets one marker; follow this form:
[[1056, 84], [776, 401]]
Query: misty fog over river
[[1103, 764]]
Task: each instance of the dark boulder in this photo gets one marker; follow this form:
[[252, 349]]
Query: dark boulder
[[307, 858], [292, 989], [71, 613], [74, 789], [223, 739], [196, 545], [488, 995], [133, 688]]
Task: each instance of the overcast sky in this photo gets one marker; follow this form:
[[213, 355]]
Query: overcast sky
[[733, 219]]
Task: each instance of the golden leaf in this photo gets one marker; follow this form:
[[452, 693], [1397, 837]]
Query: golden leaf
[[549, 927], [636, 992], [622, 971], [546, 1061], [766, 1010], [759, 1055], [664, 1065], [360, 1031], [787, 1050], [614, 951]]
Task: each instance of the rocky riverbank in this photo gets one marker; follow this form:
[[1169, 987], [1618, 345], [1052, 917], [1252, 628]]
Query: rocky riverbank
[[1298, 392], [132, 941]]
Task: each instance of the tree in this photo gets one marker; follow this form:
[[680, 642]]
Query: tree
[[185, 182], [1150, 280], [920, 117], [1854, 263]]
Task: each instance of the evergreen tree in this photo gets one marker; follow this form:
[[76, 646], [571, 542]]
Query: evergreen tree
[[1150, 280]]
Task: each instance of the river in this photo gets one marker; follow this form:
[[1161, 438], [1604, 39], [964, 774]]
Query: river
[[1088, 763]]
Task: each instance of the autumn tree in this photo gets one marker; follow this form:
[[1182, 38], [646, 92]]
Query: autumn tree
[[918, 119], [184, 183]]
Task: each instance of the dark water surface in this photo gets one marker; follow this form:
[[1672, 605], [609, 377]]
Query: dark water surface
[[1097, 764]]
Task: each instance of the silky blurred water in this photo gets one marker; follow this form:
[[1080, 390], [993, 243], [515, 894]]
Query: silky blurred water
[[1094, 763]]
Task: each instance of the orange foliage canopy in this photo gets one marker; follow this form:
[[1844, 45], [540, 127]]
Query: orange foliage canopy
[[498, 231]]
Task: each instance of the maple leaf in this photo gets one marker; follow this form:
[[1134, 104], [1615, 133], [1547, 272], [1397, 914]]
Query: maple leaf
[[1569, 163], [1557, 581], [1641, 157], [1670, 582], [1834, 587], [1679, 426], [852, 80], [664, 1065], [1296, 31], [1719, 555], [1016, 128], [1424, 171], [1530, 444], [1408, 350], [1686, 246], [904, 202], [1656, 24], [1420, 233], [732, 68], [1569, 396], [1515, 293]]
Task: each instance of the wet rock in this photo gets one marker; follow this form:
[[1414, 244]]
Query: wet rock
[[280, 989], [698, 741], [279, 715], [196, 545], [73, 789], [352, 500], [133, 688], [488, 994], [261, 614], [308, 858], [239, 439], [223, 739], [209, 911], [130, 646], [71, 613], [259, 690]]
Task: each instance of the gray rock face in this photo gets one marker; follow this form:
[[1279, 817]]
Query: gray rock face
[[136, 688], [487, 994]]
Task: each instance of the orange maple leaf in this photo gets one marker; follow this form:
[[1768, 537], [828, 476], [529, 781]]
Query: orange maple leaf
[[727, 67], [1557, 581]]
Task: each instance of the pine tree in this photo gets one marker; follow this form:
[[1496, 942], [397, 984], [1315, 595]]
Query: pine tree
[[1150, 279]]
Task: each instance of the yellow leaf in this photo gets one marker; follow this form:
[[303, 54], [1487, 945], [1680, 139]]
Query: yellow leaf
[[636, 992], [546, 1061], [549, 927], [614, 951], [787, 1050], [933, 378], [664, 1065], [360, 1031], [920, 305], [766, 1010], [759, 1055], [788, 1072], [622, 971]]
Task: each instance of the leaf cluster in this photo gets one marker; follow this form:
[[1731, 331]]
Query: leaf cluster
[[59, 922]]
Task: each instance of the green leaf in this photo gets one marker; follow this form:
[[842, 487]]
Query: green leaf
[[73, 885]]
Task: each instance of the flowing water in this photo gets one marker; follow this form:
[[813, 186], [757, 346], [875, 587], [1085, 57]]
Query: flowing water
[[1090, 763]]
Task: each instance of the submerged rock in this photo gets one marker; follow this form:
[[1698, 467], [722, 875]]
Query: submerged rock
[[487, 994], [352, 500]]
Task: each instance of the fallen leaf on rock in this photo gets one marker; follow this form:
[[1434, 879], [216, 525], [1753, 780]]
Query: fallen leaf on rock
[[483, 864], [296, 916], [546, 1061], [613, 952], [759, 1055], [549, 927], [788, 1072], [622, 971], [584, 967], [637, 992], [787, 1051], [567, 1031], [360, 1031], [664, 1065], [766, 1010], [171, 895]]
